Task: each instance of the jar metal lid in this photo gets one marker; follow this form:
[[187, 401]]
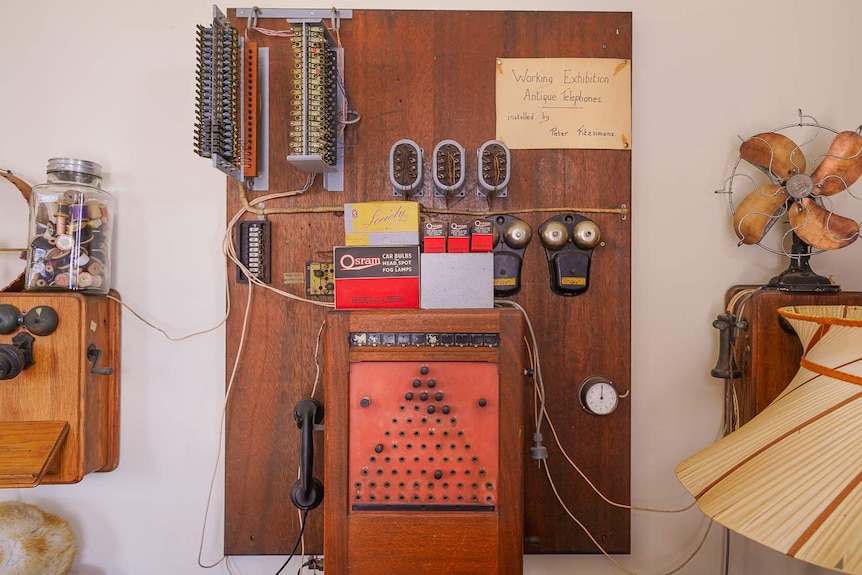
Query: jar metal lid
[[74, 165]]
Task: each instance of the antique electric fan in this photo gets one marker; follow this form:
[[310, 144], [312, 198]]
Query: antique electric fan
[[788, 474], [803, 187]]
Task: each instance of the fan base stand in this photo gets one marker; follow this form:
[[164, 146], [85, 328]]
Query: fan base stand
[[799, 277]]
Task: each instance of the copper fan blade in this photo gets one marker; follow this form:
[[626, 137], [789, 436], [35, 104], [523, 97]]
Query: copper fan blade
[[756, 213], [775, 154], [842, 165], [820, 228]]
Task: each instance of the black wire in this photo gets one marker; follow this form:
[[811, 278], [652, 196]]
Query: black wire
[[298, 541], [726, 551]]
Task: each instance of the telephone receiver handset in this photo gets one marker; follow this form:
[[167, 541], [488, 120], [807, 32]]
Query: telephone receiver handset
[[307, 492]]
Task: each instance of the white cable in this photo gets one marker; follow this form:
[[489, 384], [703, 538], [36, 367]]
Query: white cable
[[616, 563], [227, 394], [537, 372], [165, 333]]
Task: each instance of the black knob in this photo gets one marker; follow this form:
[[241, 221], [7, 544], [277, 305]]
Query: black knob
[[438, 396], [438, 474], [365, 401], [423, 396], [416, 383], [431, 409], [408, 396], [432, 383], [11, 361], [378, 448], [446, 409], [483, 402], [9, 318], [423, 370]]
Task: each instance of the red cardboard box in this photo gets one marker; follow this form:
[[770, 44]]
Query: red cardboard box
[[459, 238], [434, 237], [376, 277], [482, 236]]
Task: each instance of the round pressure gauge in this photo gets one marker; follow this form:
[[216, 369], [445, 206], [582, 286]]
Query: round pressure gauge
[[598, 395]]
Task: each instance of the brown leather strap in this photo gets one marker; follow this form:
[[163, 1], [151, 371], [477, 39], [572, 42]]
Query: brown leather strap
[[24, 188]]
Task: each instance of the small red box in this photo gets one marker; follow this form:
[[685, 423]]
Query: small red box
[[482, 236], [459, 238], [376, 277], [434, 238]]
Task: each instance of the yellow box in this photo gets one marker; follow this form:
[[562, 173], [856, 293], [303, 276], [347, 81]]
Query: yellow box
[[381, 223]]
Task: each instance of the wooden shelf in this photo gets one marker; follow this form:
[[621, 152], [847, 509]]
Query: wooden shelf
[[28, 451]]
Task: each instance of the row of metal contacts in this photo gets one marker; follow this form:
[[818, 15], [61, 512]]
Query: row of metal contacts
[[312, 124]]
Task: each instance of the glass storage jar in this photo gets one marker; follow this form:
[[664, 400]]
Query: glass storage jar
[[70, 230]]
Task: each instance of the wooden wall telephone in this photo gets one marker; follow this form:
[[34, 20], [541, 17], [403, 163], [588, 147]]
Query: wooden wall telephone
[[766, 353], [59, 383]]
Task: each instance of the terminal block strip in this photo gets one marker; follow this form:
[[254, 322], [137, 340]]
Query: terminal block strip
[[231, 101], [316, 103], [250, 112], [449, 169], [254, 249], [217, 130], [493, 169]]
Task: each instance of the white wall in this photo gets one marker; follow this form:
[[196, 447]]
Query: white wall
[[114, 82]]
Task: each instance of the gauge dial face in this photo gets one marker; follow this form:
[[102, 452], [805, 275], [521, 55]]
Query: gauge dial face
[[599, 396]]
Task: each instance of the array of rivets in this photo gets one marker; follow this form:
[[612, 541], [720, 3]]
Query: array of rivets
[[426, 446]]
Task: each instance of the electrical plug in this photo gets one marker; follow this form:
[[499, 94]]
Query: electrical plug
[[538, 451]]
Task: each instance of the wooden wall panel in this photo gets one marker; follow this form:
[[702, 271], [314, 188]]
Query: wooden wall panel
[[429, 76]]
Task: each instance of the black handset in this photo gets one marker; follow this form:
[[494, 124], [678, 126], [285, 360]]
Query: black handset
[[307, 492]]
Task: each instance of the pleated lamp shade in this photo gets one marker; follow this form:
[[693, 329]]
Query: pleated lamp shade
[[791, 478]]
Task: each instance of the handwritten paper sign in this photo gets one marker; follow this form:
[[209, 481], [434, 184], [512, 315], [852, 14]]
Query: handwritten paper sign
[[546, 103]]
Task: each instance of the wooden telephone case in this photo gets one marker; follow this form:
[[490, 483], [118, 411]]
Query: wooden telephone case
[[424, 442], [766, 350]]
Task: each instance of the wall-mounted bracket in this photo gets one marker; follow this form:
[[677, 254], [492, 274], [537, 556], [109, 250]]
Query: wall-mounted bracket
[[294, 14]]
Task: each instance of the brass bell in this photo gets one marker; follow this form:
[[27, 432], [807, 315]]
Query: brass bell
[[586, 234], [553, 234], [518, 234]]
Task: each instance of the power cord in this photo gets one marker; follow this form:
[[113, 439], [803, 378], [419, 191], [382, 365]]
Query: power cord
[[165, 333], [231, 381], [538, 451], [298, 540], [541, 413], [230, 252], [616, 563], [229, 246]]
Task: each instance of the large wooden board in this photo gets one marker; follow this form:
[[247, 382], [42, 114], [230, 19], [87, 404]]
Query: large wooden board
[[429, 76]]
